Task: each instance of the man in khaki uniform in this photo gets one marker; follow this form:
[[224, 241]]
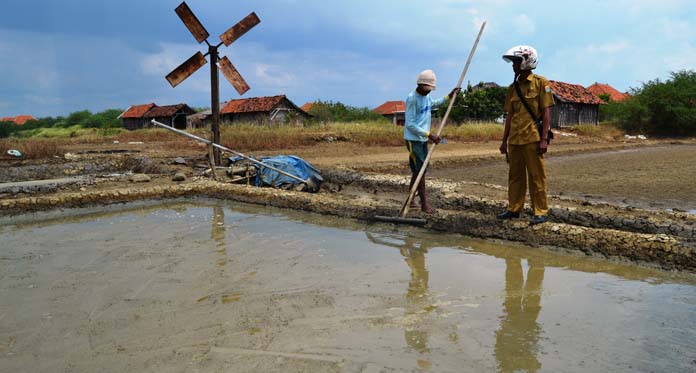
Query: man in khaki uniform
[[522, 141]]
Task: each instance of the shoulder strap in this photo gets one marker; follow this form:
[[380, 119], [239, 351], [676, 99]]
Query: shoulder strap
[[524, 102]]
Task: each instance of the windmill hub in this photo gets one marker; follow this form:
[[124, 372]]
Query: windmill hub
[[198, 60]]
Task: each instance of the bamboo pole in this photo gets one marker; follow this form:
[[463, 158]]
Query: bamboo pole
[[414, 187]]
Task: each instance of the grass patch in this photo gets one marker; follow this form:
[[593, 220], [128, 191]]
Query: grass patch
[[605, 130], [474, 132], [33, 148]]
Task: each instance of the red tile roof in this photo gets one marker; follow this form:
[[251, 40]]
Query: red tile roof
[[307, 107], [167, 111], [606, 89], [391, 107], [18, 120], [573, 93], [250, 105], [136, 111]]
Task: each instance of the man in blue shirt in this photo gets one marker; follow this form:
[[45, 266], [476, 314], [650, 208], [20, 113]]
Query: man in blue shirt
[[417, 130]]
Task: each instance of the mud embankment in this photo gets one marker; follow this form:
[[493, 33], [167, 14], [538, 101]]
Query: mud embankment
[[664, 239]]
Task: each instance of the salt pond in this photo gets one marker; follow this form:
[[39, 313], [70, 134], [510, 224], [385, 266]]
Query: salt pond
[[204, 284]]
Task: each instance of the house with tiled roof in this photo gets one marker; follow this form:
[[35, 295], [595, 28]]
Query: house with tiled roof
[[394, 111], [268, 109], [133, 119], [139, 116], [171, 115], [605, 89], [18, 120], [307, 106], [575, 104]]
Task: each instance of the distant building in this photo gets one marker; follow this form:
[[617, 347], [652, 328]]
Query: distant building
[[574, 105], [272, 109], [307, 107], [171, 115], [132, 118], [18, 120], [199, 120], [605, 89], [483, 85], [139, 116], [394, 111]]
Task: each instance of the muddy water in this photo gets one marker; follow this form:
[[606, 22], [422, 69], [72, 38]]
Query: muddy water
[[205, 285]]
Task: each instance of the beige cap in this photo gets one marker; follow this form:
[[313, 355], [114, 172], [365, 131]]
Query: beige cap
[[427, 77]]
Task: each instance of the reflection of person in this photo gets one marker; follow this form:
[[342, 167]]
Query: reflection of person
[[417, 300], [217, 230], [417, 130], [416, 296], [217, 234], [522, 141], [516, 340]]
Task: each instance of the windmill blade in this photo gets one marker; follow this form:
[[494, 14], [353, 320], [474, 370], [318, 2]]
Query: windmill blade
[[241, 28], [192, 23], [187, 68], [233, 75]]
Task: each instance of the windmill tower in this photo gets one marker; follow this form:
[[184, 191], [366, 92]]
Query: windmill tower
[[198, 60]]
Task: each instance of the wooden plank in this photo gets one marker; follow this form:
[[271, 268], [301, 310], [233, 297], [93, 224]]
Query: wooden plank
[[241, 28], [187, 68], [192, 23], [233, 76]]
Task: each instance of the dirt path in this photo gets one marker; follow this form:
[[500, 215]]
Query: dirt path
[[658, 177]]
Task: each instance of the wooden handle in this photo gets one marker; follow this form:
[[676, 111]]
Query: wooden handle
[[414, 187]]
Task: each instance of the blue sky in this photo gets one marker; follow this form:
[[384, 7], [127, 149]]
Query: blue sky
[[61, 56]]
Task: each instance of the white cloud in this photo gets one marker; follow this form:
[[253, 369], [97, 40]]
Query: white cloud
[[274, 75], [682, 59], [524, 25], [605, 49], [166, 59]]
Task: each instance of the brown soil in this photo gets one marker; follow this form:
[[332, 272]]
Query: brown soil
[[648, 174]]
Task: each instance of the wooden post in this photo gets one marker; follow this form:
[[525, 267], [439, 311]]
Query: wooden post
[[211, 158]]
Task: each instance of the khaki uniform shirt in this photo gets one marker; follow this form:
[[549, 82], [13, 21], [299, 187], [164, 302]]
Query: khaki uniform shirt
[[537, 92]]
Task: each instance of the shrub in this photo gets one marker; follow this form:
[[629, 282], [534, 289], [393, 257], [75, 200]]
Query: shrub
[[32, 148], [661, 108], [484, 104], [328, 111]]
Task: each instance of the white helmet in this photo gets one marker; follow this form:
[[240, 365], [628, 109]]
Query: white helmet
[[524, 53], [427, 77]]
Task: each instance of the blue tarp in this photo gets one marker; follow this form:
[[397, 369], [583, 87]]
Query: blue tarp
[[288, 163]]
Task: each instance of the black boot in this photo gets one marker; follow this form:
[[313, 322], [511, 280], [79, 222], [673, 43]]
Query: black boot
[[508, 215]]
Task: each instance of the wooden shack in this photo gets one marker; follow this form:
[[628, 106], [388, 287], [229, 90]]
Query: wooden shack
[[574, 105], [394, 111], [132, 118], [262, 110], [171, 115]]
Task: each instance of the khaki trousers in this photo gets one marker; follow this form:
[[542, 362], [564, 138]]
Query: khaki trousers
[[527, 164]]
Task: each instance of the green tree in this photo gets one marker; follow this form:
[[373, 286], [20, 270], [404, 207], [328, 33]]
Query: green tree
[[483, 104], [328, 111], [661, 108]]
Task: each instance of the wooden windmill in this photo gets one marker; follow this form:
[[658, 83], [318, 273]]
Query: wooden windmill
[[198, 60]]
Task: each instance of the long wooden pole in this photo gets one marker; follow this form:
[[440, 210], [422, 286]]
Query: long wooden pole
[[407, 203], [220, 147]]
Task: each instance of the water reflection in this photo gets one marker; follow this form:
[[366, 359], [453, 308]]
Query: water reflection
[[217, 234], [516, 340], [418, 301]]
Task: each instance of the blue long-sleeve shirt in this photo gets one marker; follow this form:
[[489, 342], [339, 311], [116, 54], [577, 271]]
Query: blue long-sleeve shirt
[[418, 107]]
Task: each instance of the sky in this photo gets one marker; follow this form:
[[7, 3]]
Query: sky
[[61, 56]]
